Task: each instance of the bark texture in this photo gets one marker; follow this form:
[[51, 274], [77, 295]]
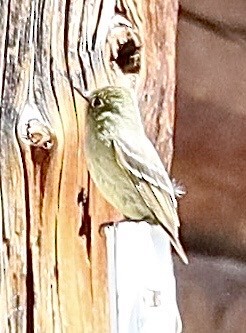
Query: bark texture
[[52, 259]]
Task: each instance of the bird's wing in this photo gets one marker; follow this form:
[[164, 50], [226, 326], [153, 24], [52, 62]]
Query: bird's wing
[[154, 186]]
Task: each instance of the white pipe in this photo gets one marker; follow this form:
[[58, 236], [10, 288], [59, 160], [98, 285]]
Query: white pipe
[[142, 285]]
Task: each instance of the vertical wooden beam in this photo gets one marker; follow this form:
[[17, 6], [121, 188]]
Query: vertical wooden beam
[[53, 270]]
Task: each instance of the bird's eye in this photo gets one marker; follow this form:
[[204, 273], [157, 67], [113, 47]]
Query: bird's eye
[[97, 102]]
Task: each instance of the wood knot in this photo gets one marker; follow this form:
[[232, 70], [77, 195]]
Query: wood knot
[[38, 134]]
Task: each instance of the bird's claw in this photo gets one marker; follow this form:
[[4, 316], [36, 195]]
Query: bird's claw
[[106, 225]]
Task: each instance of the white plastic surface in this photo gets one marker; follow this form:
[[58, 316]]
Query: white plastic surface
[[142, 284]]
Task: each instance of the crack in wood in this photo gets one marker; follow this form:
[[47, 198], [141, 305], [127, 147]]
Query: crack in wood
[[29, 259], [85, 229], [94, 36]]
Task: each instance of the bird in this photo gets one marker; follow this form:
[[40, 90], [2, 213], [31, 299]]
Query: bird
[[124, 164]]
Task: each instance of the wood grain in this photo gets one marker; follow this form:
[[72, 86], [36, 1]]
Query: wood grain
[[53, 261]]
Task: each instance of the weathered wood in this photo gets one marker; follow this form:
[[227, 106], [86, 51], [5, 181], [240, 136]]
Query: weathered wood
[[53, 261]]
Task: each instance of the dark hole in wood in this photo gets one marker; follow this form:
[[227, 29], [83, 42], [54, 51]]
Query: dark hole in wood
[[120, 11], [85, 228], [7, 243], [80, 198], [47, 144], [128, 57]]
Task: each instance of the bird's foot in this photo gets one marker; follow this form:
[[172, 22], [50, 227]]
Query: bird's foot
[[115, 224]]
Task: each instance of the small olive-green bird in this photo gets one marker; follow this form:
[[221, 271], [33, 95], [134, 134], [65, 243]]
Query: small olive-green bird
[[124, 164]]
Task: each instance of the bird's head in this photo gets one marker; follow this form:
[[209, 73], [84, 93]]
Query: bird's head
[[112, 105]]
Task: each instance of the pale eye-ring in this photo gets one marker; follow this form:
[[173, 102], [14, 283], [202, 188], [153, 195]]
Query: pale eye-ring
[[97, 102]]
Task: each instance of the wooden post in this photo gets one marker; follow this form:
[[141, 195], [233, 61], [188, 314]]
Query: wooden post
[[53, 266]]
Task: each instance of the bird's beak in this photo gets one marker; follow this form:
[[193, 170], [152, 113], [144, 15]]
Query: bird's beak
[[85, 94]]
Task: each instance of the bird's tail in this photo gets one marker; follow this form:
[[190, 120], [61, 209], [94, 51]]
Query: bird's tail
[[179, 249], [176, 244]]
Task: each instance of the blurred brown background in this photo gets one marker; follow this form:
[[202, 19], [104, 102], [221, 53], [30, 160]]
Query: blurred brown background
[[210, 159]]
